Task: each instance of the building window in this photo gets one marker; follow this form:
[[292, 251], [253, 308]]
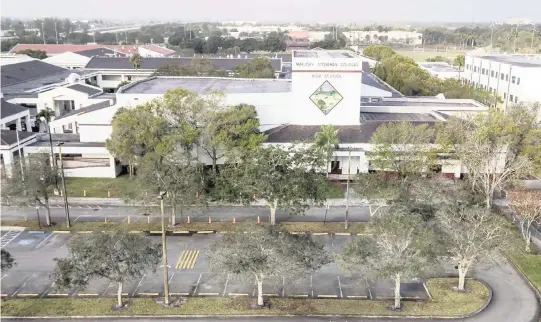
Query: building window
[[513, 79], [129, 78], [518, 80], [483, 71], [516, 99], [511, 97], [502, 74], [504, 95], [491, 73], [506, 77]]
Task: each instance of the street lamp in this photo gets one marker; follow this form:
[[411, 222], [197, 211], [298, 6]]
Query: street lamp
[[37, 213], [164, 252], [66, 206], [55, 166]]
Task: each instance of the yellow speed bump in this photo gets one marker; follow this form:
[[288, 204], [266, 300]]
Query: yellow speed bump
[[187, 259]]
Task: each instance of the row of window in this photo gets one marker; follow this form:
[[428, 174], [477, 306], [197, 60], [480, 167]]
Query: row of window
[[512, 98], [485, 71]]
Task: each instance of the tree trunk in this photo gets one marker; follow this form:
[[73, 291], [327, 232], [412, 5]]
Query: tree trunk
[[488, 200], [214, 161], [272, 218], [181, 216], [462, 271], [173, 214], [129, 169], [528, 241], [397, 291], [119, 295], [48, 213], [259, 280]]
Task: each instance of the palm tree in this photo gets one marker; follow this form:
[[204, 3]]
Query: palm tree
[[46, 116], [326, 141], [135, 60], [459, 61]]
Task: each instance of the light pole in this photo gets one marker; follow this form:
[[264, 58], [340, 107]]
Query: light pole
[[55, 166], [347, 190], [164, 252], [66, 206], [37, 213]]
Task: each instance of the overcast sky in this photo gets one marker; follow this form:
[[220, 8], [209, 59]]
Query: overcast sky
[[339, 11]]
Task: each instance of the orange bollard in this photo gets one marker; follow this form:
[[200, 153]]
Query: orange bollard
[[210, 220], [108, 194], [234, 221], [258, 220]]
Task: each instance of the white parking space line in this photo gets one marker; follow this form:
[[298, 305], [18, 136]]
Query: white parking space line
[[138, 284], [311, 285], [340, 286], [368, 288], [3, 276], [170, 278], [106, 289], [76, 218], [17, 291], [8, 237], [43, 241], [225, 286], [199, 280]]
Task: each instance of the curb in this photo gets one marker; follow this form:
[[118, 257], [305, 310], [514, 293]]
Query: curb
[[530, 284], [176, 232]]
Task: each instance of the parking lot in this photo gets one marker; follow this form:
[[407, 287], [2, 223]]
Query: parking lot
[[188, 273]]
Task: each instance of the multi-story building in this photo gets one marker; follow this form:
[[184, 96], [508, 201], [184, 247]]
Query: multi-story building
[[513, 78]]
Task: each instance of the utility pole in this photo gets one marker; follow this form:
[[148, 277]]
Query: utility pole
[[126, 36], [347, 190], [516, 36], [56, 32], [491, 36], [66, 206], [533, 34], [42, 32], [164, 253]]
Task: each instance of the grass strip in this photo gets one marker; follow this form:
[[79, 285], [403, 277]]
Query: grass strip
[[530, 264], [446, 302], [314, 227]]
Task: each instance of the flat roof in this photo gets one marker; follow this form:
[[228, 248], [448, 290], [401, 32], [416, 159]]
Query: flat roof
[[372, 80], [323, 54], [516, 60], [28, 70], [439, 67], [43, 81], [415, 102], [70, 144], [419, 117], [201, 85]]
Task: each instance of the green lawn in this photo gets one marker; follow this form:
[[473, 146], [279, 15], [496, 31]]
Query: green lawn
[[119, 187], [314, 227], [530, 264], [445, 303], [421, 56]]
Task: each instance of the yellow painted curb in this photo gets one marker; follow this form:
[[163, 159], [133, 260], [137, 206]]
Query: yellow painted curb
[[181, 294], [62, 232], [84, 232], [343, 234], [319, 234], [88, 294], [58, 294], [327, 296], [181, 232], [135, 231], [357, 297], [155, 231], [208, 294], [298, 295], [3, 295], [148, 294], [238, 294], [206, 232], [294, 232]]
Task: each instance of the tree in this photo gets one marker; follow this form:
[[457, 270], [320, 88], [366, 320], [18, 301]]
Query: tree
[[275, 41], [38, 54], [229, 131], [526, 205], [175, 172], [135, 133], [400, 247], [378, 189], [489, 146], [118, 257], [436, 59], [326, 141], [378, 52], [122, 83], [472, 235], [285, 179], [135, 60], [402, 147], [30, 180], [460, 62], [7, 260], [260, 252], [197, 67], [259, 67]]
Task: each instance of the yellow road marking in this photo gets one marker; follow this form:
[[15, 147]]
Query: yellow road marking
[[357, 297], [206, 232], [319, 234], [148, 294], [327, 296], [181, 232], [187, 259], [239, 294], [298, 295], [58, 294], [88, 294], [27, 294], [185, 294], [3, 295], [209, 294]]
